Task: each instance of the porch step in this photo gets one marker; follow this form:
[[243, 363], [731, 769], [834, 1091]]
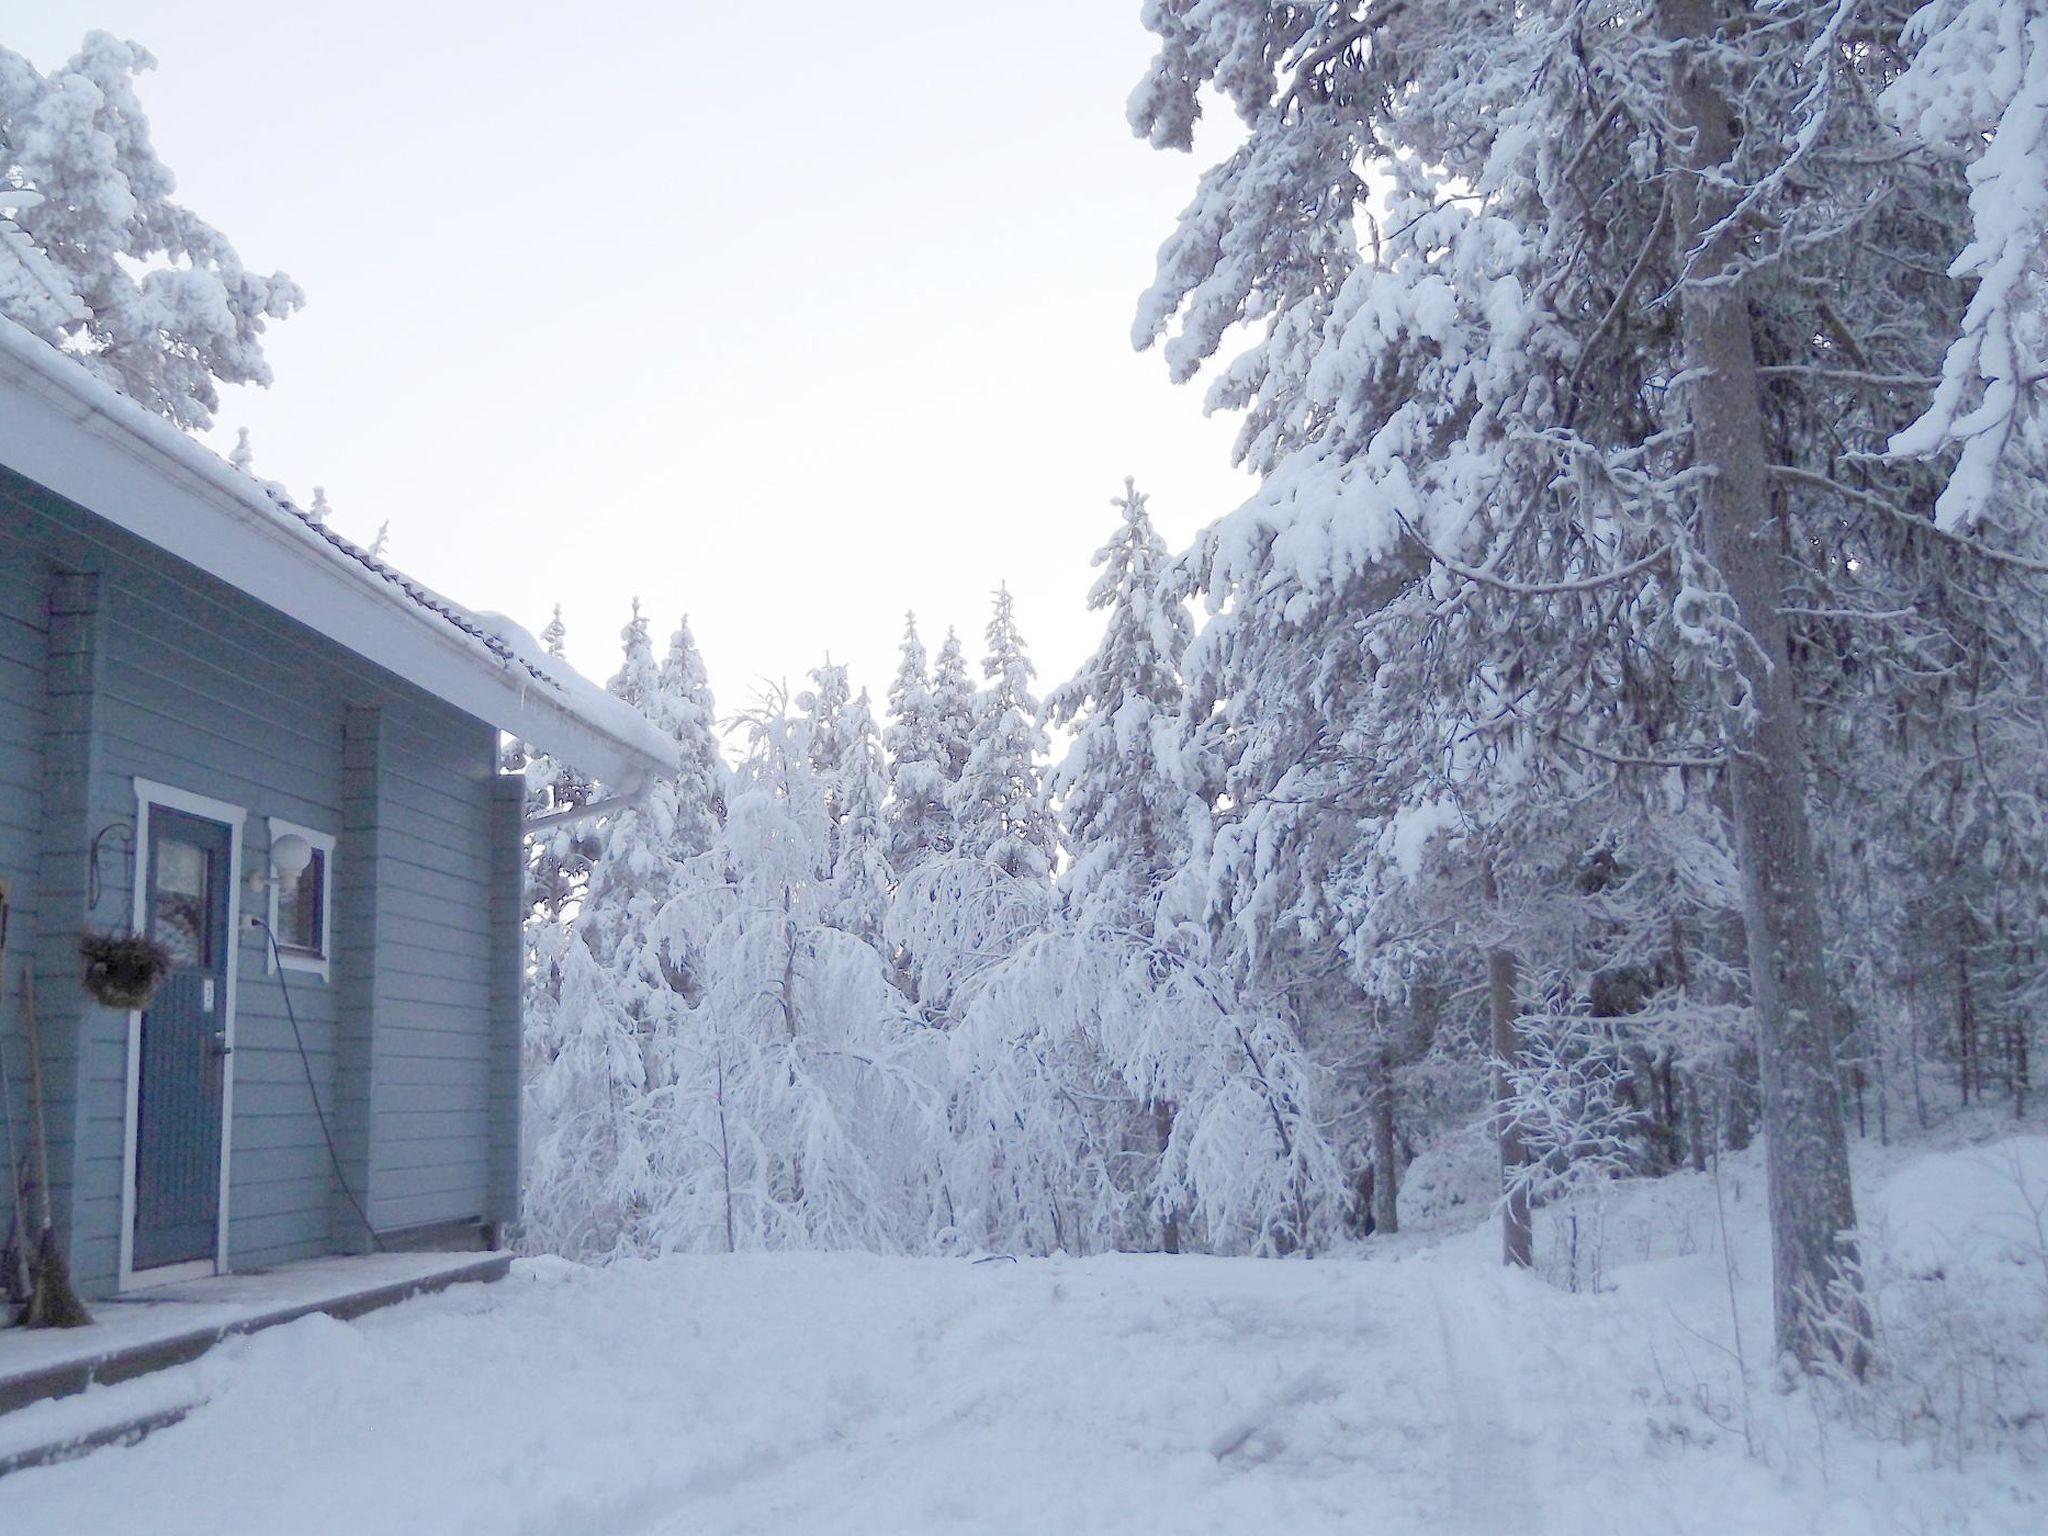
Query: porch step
[[48, 1450], [132, 1338]]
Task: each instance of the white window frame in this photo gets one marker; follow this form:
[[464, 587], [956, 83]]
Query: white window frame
[[322, 964]]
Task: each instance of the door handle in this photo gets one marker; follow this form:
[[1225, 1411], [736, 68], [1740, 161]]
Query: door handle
[[218, 1043]]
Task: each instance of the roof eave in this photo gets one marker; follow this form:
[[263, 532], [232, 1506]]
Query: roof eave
[[68, 432]]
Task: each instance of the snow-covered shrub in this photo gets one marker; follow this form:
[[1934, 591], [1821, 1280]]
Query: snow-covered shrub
[[1955, 1297], [1107, 1091], [793, 1102], [953, 920], [1567, 1093]]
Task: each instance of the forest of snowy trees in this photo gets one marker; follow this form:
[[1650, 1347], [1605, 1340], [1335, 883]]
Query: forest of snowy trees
[[1614, 730], [854, 993]]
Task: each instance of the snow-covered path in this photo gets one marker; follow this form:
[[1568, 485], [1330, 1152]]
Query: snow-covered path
[[803, 1394]]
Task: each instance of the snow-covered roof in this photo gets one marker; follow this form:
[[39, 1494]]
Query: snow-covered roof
[[65, 429]]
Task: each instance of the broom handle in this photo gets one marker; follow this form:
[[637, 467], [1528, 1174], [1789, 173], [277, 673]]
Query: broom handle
[[35, 1092], [7, 1089]]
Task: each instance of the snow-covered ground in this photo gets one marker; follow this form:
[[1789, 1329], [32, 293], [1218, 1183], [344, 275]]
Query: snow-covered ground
[[1415, 1388]]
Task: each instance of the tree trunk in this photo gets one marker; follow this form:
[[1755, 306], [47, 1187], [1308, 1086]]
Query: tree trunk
[[1697, 1134], [1517, 1240], [1162, 1130], [1966, 1021], [1386, 1214], [1812, 1212]]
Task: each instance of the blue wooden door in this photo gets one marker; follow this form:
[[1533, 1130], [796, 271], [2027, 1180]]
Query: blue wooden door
[[184, 1042]]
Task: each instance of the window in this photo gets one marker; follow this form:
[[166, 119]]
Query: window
[[184, 875], [300, 903]]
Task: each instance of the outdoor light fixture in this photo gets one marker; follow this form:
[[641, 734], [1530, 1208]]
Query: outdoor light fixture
[[289, 856]]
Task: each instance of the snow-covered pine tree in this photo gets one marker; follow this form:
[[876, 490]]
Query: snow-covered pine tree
[[862, 877], [1000, 800], [1119, 790], [959, 912], [953, 713], [685, 709], [823, 707], [632, 968], [686, 813], [1477, 401], [587, 1191], [558, 861], [648, 848], [919, 822], [166, 311]]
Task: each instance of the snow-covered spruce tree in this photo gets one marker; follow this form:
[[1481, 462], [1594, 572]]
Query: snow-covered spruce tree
[[632, 965], [823, 706], [920, 822], [685, 709], [953, 713], [558, 860], [1123, 805], [862, 876], [1124, 810], [1480, 384], [686, 812], [558, 864], [587, 1186], [1110, 1089], [1000, 799], [164, 310], [632, 855], [956, 917]]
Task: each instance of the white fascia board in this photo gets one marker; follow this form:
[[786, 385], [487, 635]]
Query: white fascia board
[[68, 431]]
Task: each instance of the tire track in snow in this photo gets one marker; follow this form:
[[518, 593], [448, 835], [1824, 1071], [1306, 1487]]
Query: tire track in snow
[[1488, 1491]]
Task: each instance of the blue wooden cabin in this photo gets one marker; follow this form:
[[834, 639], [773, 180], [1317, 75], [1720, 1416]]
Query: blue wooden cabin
[[226, 728]]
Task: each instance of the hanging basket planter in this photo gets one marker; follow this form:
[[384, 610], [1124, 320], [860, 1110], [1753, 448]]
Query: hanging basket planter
[[123, 970]]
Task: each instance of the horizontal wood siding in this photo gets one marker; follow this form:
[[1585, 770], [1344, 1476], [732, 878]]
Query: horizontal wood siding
[[430, 1130], [210, 691]]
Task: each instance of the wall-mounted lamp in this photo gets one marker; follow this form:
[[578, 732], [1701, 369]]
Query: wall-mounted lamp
[[289, 856]]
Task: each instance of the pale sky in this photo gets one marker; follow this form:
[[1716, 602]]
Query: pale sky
[[791, 317]]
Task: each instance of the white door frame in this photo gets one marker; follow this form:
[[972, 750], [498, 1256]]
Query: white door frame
[[149, 793]]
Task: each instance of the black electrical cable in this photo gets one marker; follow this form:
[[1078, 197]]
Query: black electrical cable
[[333, 1153]]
